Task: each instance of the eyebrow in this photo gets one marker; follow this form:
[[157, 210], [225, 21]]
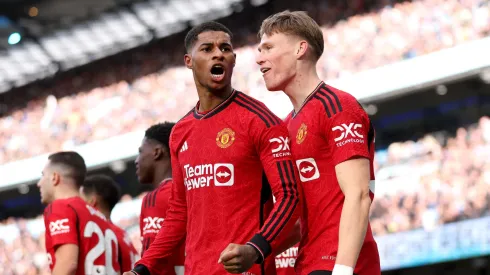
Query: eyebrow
[[211, 44]]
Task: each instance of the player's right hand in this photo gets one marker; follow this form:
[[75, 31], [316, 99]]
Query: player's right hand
[[128, 273]]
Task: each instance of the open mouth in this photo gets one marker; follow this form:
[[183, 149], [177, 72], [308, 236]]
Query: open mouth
[[264, 70], [217, 72]]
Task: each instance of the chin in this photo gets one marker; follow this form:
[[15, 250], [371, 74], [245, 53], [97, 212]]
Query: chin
[[273, 87]]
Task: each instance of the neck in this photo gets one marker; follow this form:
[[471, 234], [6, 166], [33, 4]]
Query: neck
[[301, 86], [209, 99], [107, 213], [163, 171], [65, 193]]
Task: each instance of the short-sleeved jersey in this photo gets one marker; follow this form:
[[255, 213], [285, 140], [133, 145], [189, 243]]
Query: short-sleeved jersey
[[285, 261], [72, 221], [153, 212], [127, 254], [330, 128], [226, 165]]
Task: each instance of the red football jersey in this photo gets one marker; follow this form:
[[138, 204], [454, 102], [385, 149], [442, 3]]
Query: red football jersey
[[72, 221], [285, 261], [226, 165], [331, 127], [127, 253], [153, 212]]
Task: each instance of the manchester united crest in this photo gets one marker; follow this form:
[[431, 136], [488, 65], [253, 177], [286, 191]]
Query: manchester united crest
[[301, 135], [225, 138]]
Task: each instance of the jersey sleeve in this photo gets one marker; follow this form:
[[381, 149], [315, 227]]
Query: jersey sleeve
[[142, 215], [61, 223], [127, 251], [349, 132], [173, 228], [273, 147]]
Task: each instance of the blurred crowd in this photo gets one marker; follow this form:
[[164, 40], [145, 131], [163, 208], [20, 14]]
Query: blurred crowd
[[433, 181], [95, 104]]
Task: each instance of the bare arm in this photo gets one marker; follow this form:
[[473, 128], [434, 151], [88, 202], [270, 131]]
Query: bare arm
[[353, 176], [66, 260]]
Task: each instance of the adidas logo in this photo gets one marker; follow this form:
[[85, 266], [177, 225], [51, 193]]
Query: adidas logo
[[184, 147]]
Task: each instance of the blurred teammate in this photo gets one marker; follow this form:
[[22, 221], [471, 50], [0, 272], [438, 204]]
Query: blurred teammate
[[229, 155], [77, 235], [103, 193], [333, 144], [153, 167]]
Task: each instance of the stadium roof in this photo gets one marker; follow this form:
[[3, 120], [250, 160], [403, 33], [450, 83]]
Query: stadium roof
[[49, 36]]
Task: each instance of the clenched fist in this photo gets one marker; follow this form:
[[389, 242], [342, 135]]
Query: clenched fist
[[237, 258]]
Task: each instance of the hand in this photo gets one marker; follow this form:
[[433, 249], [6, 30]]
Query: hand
[[237, 258], [128, 273]]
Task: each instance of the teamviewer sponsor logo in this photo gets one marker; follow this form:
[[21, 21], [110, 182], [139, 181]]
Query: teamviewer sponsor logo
[[59, 227], [152, 225], [223, 174], [287, 258], [308, 170], [282, 147], [205, 175], [348, 133]]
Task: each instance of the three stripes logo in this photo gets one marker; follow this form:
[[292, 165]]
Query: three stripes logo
[[184, 147]]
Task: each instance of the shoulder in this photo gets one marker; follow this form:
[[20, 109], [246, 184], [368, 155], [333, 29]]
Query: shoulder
[[61, 205], [164, 190], [255, 110], [181, 125], [288, 118], [335, 102], [120, 233]]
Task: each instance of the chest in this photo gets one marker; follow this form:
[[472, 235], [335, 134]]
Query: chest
[[215, 141], [218, 155], [308, 138]]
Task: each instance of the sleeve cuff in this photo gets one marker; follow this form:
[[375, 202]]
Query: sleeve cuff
[[262, 246], [141, 270]]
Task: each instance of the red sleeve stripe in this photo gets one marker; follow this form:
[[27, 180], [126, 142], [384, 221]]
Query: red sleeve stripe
[[258, 110], [287, 205], [154, 198], [145, 201], [331, 104], [324, 104], [259, 105], [266, 228], [292, 201], [337, 100], [336, 107]]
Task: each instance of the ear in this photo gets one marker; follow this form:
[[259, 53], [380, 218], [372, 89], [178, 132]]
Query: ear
[[157, 152], [55, 178], [188, 61], [301, 49], [93, 201]]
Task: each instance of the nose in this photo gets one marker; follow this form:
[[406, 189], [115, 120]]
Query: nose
[[259, 59], [218, 54]]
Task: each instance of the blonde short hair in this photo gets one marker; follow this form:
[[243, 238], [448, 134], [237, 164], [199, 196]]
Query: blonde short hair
[[296, 23]]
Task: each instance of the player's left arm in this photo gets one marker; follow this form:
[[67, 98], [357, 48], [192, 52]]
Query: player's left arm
[[351, 135], [273, 147], [66, 260], [61, 225]]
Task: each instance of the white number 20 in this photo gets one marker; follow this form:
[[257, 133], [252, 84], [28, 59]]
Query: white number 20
[[103, 245]]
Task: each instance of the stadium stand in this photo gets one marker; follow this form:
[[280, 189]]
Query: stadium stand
[[361, 42]]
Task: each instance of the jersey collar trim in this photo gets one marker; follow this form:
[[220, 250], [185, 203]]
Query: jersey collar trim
[[216, 109], [165, 181], [310, 96]]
